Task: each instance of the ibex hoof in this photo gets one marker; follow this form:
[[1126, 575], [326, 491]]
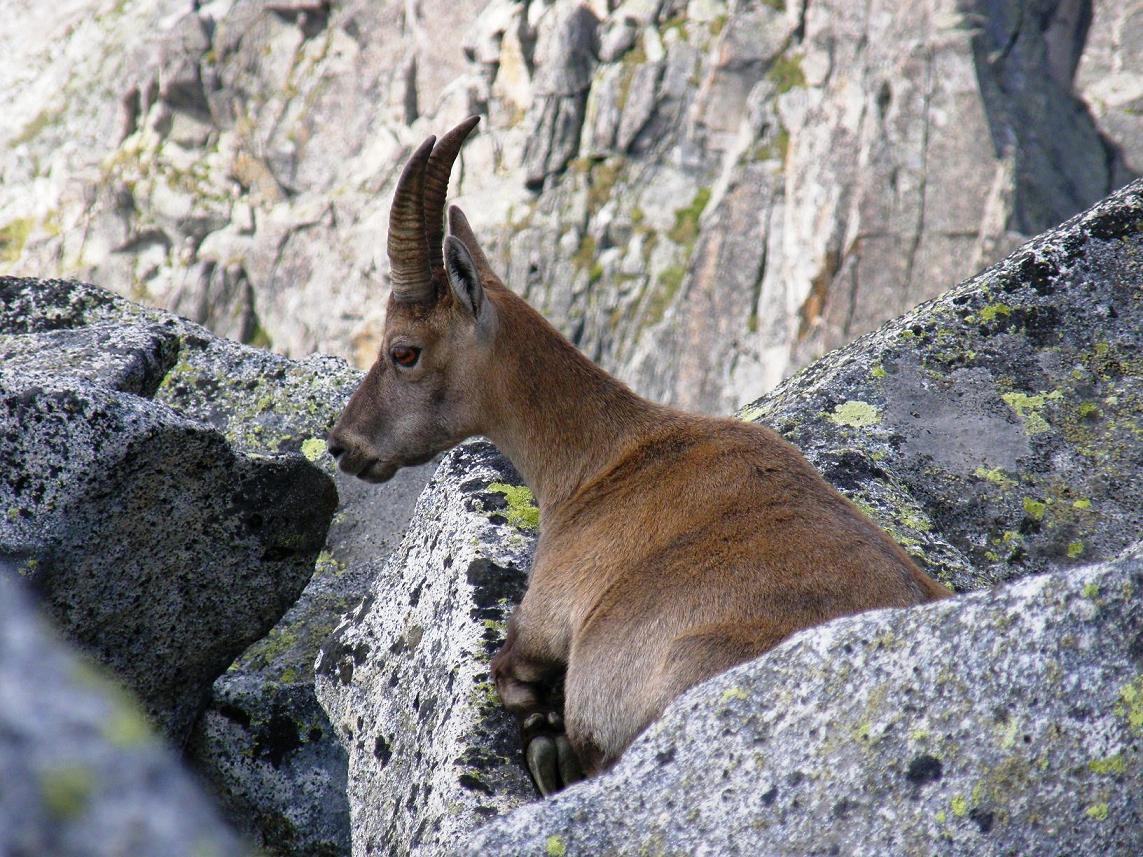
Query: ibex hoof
[[551, 760]]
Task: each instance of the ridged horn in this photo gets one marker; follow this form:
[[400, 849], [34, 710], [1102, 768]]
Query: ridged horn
[[437, 174], [408, 250]]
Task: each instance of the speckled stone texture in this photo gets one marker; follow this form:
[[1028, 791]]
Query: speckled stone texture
[[159, 548], [995, 431], [262, 742], [1002, 722], [405, 678], [81, 772]]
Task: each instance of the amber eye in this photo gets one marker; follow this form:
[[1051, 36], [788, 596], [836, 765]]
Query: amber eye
[[404, 355]]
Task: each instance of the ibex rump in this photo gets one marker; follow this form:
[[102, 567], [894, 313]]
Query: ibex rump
[[672, 545]]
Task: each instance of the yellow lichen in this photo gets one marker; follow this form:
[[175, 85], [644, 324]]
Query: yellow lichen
[[522, 511], [856, 414], [1130, 704], [313, 448], [1098, 811], [733, 693], [66, 792], [994, 311], [995, 476], [1028, 409], [1110, 765]]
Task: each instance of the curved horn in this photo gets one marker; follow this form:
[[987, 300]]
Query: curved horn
[[436, 189], [408, 250]]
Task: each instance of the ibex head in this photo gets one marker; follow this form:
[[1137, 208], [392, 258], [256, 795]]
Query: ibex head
[[421, 395]]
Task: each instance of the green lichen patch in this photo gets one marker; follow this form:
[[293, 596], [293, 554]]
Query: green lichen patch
[[522, 511], [959, 806], [667, 286], [1075, 549], [484, 697], [13, 237], [1028, 409], [555, 846], [994, 475], [786, 73], [992, 312], [127, 728], [1097, 811], [1130, 704], [750, 413], [1034, 509], [856, 414], [584, 256], [34, 128], [313, 448], [686, 228], [67, 791], [1110, 766], [327, 563], [732, 693], [601, 182]]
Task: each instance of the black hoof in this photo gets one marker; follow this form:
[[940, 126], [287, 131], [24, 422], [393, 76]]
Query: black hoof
[[551, 760]]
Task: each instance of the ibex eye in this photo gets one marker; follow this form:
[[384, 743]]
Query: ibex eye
[[405, 356]]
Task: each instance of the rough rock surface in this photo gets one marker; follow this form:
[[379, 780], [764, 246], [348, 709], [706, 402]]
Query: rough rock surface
[[159, 548], [405, 676], [263, 742], [1000, 722], [994, 432], [704, 195], [81, 772]]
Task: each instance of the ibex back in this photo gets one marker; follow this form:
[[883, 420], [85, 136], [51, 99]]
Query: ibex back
[[672, 545]]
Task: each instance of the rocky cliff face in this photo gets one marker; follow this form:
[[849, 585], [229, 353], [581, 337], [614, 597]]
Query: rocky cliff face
[[704, 196]]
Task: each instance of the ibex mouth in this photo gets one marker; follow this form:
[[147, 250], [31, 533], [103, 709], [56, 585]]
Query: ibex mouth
[[377, 471]]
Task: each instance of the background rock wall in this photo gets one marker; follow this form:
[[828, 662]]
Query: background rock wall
[[703, 196]]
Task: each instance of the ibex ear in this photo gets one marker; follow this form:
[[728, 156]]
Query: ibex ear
[[458, 226], [463, 276]]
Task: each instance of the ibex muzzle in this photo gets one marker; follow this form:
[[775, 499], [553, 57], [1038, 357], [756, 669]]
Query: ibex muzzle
[[672, 547]]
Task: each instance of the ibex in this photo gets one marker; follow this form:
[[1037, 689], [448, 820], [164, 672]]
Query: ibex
[[672, 545]]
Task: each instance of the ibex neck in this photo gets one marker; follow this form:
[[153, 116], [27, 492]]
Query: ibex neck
[[558, 417]]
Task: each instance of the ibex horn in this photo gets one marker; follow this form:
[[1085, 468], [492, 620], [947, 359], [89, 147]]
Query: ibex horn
[[436, 189], [408, 250]]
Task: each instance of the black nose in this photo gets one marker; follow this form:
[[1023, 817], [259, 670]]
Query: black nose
[[335, 449]]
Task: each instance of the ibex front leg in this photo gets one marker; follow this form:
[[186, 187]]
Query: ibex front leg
[[530, 684]]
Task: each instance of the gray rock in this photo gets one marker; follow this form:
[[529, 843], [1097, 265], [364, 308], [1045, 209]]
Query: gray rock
[[81, 771], [159, 549], [262, 742], [1108, 79], [999, 722], [995, 431], [405, 676], [565, 53]]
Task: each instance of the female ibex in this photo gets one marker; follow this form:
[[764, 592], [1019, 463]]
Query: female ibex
[[672, 545]]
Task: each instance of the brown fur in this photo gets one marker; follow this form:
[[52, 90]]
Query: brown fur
[[672, 545]]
